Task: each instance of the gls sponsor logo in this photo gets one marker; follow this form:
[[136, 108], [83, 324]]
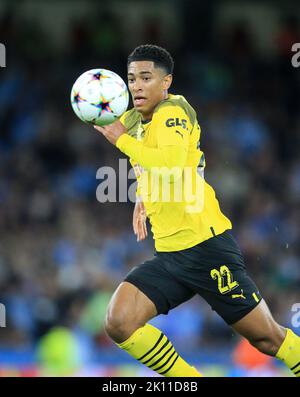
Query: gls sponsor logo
[[296, 57], [296, 316], [176, 123]]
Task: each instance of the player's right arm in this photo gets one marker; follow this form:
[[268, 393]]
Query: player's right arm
[[172, 127]]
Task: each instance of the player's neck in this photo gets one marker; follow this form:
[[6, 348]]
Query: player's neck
[[147, 117]]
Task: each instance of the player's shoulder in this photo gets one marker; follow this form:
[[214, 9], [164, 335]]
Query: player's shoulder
[[129, 116], [130, 120], [177, 103]]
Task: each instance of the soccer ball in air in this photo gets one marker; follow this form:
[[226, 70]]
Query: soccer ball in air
[[99, 97]]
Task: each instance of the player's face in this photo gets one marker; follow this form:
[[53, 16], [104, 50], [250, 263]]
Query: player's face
[[148, 86]]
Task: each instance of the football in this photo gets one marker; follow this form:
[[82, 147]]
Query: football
[[99, 96]]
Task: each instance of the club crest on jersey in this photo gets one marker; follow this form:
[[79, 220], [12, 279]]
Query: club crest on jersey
[[176, 122]]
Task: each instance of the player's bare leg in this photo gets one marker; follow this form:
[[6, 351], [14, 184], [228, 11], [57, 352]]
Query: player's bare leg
[[126, 323], [263, 332], [129, 309]]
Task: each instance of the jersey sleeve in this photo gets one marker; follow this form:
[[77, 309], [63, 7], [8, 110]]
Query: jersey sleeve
[[172, 128]]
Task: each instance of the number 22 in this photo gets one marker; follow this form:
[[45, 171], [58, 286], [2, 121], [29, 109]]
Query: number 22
[[220, 274]]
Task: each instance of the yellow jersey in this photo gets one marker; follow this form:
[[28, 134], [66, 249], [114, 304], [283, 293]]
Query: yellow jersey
[[165, 153]]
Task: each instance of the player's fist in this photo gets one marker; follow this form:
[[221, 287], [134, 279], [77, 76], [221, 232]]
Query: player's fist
[[112, 132]]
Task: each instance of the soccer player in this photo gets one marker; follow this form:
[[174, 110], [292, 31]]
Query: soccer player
[[195, 251]]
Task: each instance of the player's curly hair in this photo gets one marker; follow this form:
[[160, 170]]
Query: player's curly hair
[[154, 53]]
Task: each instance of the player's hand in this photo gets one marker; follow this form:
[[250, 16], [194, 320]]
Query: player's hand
[[112, 132], [139, 221]]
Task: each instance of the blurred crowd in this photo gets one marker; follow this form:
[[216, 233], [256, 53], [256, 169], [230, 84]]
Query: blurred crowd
[[62, 253]]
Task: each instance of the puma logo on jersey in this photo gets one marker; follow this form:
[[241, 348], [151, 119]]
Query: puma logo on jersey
[[178, 132], [238, 295], [176, 122]]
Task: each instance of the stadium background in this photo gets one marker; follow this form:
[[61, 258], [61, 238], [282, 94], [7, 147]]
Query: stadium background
[[62, 253]]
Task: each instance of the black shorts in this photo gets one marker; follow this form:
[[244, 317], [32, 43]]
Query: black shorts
[[214, 269]]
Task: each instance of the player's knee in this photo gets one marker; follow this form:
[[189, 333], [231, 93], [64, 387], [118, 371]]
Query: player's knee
[[118, 325]]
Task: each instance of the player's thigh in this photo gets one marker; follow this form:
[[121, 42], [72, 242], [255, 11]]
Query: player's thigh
[[157, 283], [129, 305], [230, 291], [215, 270]]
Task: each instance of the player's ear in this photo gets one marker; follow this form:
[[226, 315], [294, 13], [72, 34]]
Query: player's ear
[[167, 81]]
